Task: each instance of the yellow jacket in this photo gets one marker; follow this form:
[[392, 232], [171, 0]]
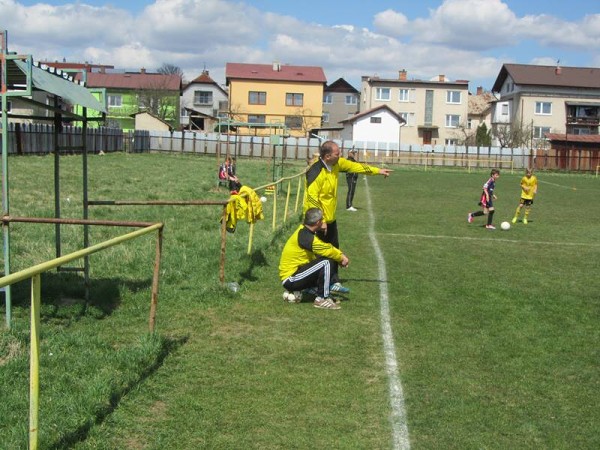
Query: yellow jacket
[[245, 205], [321, 183]]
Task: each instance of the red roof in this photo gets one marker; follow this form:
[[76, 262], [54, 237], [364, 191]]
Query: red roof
[[526, 74], [588, 138], [134, 80], [274, 72]]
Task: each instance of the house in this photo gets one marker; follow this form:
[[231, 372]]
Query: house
[[131, 92], [547, 99], [480, 112], [579, 152], [265, 99], [434, 109], [147, 121], [379, 124], [203, 101], [340, 101]]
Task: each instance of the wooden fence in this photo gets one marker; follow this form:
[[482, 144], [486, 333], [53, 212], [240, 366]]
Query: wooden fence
[[37, 138]]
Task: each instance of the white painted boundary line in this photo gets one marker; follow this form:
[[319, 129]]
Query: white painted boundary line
[[557, 185], [514, 241], [398, 417]]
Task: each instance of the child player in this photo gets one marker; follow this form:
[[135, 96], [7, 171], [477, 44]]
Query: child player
[[487, 200], [528, 190]]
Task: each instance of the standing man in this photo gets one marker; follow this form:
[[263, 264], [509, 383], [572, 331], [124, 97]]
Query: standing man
[[321, 192], [351, 179], [529, 187], [487, 200], [306, 260]]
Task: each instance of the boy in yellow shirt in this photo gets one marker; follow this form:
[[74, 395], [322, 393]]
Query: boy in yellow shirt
[[529, 186]]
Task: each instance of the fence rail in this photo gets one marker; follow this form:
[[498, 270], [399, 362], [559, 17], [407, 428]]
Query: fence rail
[[38, 138]]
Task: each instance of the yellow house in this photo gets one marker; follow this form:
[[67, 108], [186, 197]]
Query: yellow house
[[264, 97]]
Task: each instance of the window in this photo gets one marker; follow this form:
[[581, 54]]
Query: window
[[256, 118], [351, 100], [581, 131], [115, 101], [8, 106], [293, 122], [383, 94], [453, 97], [469, 123], [544, 108], [409, 117], [184, 112], [539, 132], [505, 109], [328, 99], [452, 120], [450, 141], [325, 118], [375, 119], [294, 99], [257, 98], [203, 98], [404, 95]]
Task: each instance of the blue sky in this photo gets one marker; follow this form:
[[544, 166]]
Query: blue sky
[[462, 39]]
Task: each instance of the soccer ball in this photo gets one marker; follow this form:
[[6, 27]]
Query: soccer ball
[[505, 226], [292, 297], [263, 199]]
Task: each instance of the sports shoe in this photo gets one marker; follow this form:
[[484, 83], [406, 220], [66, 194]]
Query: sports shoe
[[337, 287], [470, 218], [524, 221], [490, 227], [352, 208], [325, 303], [514, 219]]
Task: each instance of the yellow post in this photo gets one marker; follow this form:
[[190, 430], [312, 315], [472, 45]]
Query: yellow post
[[34, 364], [274, 209], [298, 193], [287, 201], [250, 236]]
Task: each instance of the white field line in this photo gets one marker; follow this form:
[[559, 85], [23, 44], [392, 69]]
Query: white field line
[[557, 185], [514, 241], [398, 416]]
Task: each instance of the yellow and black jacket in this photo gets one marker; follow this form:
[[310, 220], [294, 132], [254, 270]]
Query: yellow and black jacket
[[320, 189], [303, 247]]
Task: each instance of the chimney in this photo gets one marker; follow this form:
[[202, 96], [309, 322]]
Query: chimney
[[557, 70], [479, 90], [276, 67], [402, 75], [142, 70], [442, 78]]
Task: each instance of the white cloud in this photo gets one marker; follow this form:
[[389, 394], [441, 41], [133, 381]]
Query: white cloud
[[456, 39]]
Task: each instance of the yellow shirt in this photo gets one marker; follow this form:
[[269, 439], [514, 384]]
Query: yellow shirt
[[303, 247], [528, 187]]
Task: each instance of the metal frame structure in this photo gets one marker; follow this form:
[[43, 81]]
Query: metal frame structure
[[20, 78]]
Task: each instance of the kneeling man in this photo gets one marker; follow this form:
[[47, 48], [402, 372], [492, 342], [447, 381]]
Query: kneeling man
[[306, 260]]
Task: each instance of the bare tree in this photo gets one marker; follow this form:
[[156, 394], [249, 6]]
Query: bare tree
[[160, 101], [464, 135], [515, 134], [171, 69]]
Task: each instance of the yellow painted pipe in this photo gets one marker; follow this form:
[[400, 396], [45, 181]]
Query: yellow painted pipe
[[250, 237], [298, 194], [48, 265], [287, 201], [34, 362], [274, 209]]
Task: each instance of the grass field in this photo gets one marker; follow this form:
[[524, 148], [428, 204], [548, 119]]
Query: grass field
[[496, 334]]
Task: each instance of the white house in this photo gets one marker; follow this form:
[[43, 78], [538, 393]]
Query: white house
[[379, 124]]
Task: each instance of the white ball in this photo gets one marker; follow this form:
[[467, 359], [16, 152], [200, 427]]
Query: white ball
[[263, 199], [505, 226]]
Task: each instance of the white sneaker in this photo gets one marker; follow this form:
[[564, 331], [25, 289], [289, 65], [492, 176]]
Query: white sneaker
[[352, 208]]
